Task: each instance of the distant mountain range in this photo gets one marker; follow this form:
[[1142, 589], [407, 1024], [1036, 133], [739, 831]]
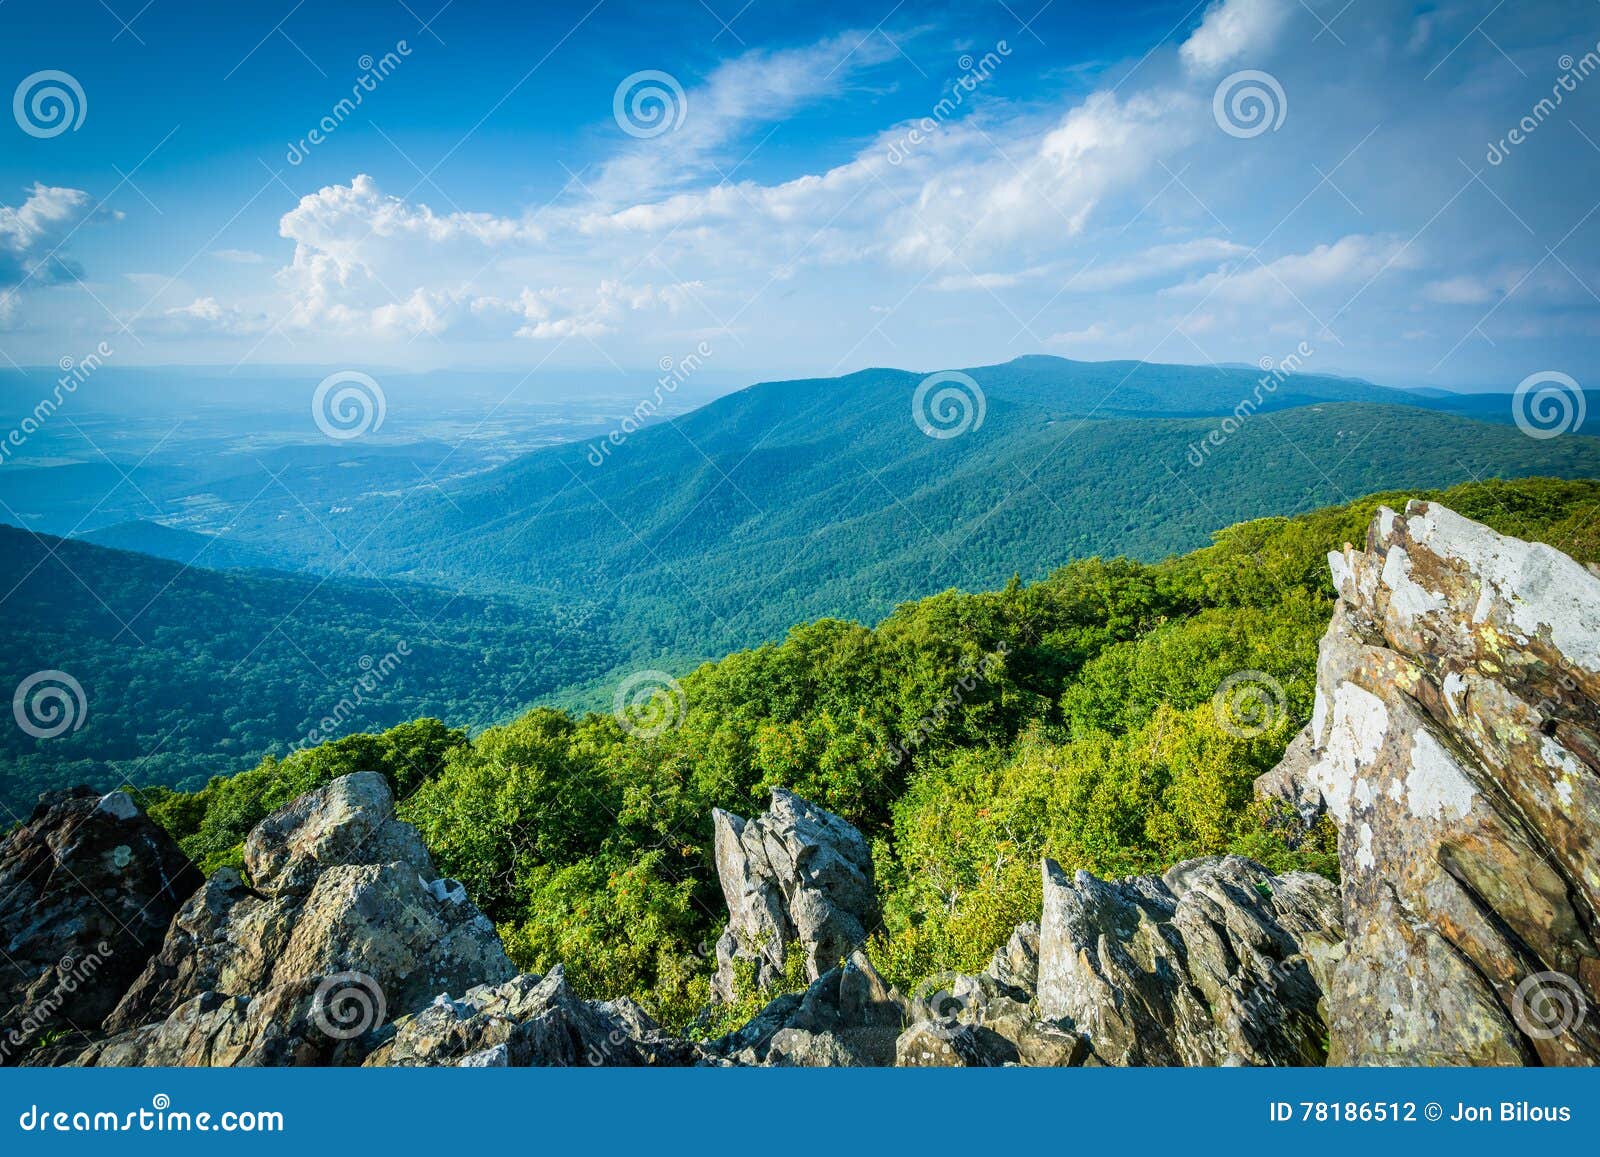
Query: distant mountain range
[[791, 500], [546, 578]]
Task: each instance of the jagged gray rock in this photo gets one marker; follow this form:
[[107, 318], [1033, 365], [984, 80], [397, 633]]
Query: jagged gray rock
[[1300, 804], [531, 1020], [794, 875], [87, 886], [849, 1016], [991, 1018], [344, 924], [1456, 744], [1217, 962]]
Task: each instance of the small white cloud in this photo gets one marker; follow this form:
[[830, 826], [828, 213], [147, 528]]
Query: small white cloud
[[1347, 264], [1460, 291], [33, 238], [1232, 30], [238, 256]]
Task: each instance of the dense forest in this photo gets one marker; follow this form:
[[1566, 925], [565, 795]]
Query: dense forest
[[796, 500], [1112, 716], [549, 580], [188, 673]]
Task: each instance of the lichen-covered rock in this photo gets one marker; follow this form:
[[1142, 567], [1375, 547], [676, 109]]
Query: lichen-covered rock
[[87, 886], [1456, 744], [930, 1044], [344, 924], [849, 1016], [1300, 804], [796, 874], [531, 1020], [1215, 962], [991, 1018]]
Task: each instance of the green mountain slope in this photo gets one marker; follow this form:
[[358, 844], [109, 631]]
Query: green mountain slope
[[798, 499], [175, 544], [1081, 717], [188, 673]]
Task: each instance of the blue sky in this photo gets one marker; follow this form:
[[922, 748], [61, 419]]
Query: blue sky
[[835, 186]]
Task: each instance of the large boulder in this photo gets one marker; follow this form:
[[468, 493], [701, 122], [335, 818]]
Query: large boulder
[[531, 1020], [848, 1017], [88, 885], [794, 875], [1456, 744], [1217, 962], [991, 1018], [339, 924]]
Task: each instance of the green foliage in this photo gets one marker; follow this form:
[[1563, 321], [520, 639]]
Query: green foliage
[[966, 735], [210, 824]]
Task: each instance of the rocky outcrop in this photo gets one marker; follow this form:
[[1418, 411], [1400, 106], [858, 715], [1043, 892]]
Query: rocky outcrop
[[1456, 744], [531, 1020], [342, 925], [848, 1017], [87, 886], [1217, 962], [796, 875], [989, 1019]]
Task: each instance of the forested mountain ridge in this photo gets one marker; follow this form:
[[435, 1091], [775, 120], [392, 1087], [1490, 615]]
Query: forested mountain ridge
[[187, 673], [1113, 717], [791, 500], [551, 579]]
